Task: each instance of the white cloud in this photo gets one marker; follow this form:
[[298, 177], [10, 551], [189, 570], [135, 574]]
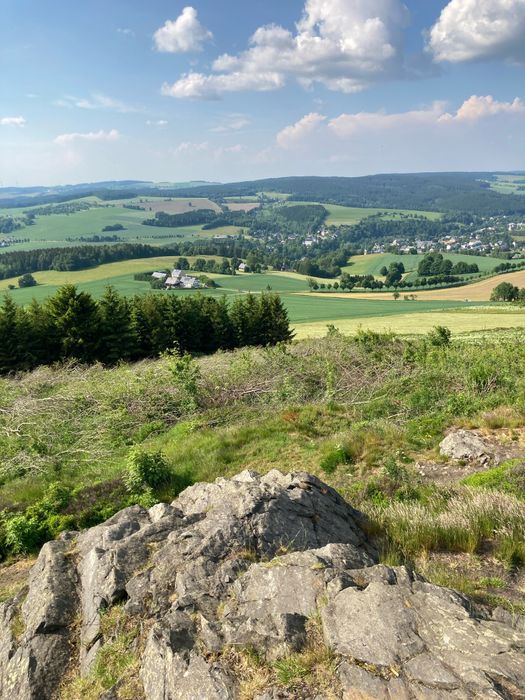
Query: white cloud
[[347, 125], [341, 44], [12, 121], [479, 29], [211, 87], [96, 100], [112, 135], [231, 122], [158, 122], [182, 35], [292, 135], [479, 107], [126, 31]]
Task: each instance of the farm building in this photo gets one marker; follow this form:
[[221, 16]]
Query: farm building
[[159, 275], [242, 267]]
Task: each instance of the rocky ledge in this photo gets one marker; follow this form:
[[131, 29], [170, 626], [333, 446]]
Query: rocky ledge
[[239, 578]]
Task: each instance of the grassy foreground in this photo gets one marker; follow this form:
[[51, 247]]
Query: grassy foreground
[[77, 443]]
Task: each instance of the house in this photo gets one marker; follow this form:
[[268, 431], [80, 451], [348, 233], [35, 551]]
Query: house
[[172, 282], [187, 282], [242, 267], [177, 274], [159, 275]]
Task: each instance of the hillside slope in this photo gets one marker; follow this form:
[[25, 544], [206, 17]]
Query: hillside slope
[[246, 588]]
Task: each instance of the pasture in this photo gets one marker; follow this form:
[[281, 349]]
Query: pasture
[[459, 321], [477, 291], [349, 216], [372, 264], [53, 230]]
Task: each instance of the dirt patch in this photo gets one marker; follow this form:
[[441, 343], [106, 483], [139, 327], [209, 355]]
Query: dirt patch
[[503, 444], [243, 206], [13, 577], [177, 206]]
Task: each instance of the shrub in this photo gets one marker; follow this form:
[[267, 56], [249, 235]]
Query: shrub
[[440, 336], [145, 470], [23, 534], [339, 455]]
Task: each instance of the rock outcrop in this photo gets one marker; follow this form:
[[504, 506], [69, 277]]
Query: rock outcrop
[[274, 568], [466, 445]]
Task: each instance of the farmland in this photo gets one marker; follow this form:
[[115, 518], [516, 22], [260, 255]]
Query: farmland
[[477, 291], [309, 313], [372, 264], [340, 215], [54, 229]]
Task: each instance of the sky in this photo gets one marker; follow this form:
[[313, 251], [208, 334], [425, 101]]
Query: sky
[[228, 90]]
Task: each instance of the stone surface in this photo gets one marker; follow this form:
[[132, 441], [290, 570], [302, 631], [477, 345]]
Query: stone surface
[[465, 445], [260, 563]]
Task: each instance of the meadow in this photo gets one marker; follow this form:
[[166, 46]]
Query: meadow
[[53, 230], [339, 215], [371, 264]]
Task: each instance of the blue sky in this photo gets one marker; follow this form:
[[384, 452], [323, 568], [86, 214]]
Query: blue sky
[[226, 90]]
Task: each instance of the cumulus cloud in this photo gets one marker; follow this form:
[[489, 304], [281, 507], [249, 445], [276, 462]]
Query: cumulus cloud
[[341, 44], [112, 135], [478, 107], [96, 100], [156, 122], [183, 34], [345, 126], [294, 134], [470, 30], [12, 121]]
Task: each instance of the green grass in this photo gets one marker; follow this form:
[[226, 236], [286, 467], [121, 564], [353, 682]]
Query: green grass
[[340, 215], [53, 230], [358, 412], [371, 264]]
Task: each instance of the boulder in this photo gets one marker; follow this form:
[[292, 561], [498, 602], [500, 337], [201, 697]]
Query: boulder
[[278, 565], [465, 445]]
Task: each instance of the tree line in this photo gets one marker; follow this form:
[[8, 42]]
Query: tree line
[[73, 326]]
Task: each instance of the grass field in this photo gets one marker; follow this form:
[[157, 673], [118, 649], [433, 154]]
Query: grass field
[[339, 215], [53, 230], [371, 264], [508, 184], [477, 291], [418, 323]]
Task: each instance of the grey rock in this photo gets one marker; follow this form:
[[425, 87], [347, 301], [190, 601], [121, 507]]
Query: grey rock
[[427, 634], [253, 562], [467, 445]]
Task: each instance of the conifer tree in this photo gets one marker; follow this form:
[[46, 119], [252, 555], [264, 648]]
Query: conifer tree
[[77, 324], [118, 336]]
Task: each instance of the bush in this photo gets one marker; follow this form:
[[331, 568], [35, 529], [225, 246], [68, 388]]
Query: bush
[[23, 534], [145, 470], [440, 336]]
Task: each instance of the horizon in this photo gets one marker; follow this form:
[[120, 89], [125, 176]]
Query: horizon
[[204, 183], [339, 88]]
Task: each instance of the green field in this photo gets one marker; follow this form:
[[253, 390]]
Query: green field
[[372, 264], [52, 231], [508, 184], [339, 215]]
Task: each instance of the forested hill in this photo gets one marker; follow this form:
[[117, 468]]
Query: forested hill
[[444, 192], [424, 191]]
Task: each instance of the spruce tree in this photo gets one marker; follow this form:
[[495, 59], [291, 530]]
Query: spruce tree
[[118, 336], [10, 340], [76, 322]]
